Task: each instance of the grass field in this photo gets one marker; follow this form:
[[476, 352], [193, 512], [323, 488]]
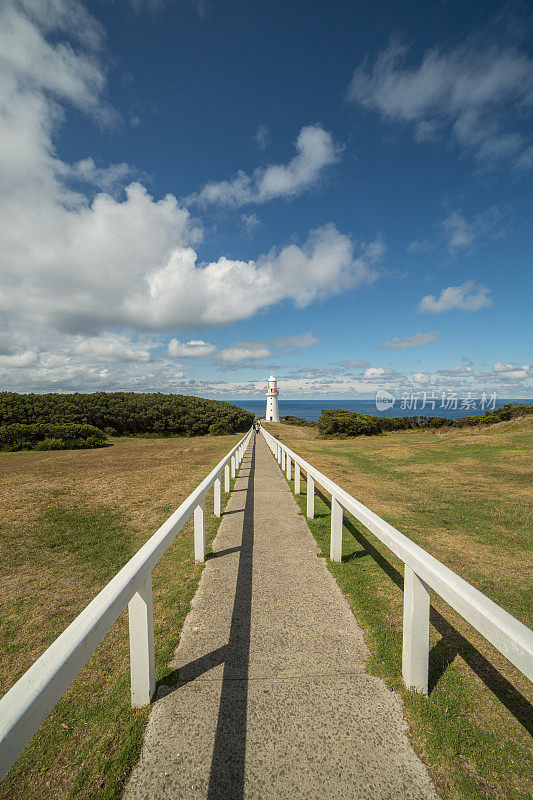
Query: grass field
[[70, 520], [465, 496]]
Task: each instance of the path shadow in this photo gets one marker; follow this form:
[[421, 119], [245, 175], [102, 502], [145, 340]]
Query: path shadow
[[452, 643], [226, 779]]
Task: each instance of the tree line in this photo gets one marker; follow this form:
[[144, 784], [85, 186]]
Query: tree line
[[117, 414], [341, 423]]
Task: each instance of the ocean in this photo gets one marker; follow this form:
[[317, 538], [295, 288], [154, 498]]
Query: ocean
[[311, 409]]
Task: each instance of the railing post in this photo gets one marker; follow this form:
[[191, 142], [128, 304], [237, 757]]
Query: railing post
[[199, 531], [283, 459], [288, 467], [142, 660], [310, 497], [226, 479], [296, 478], [279, 453], [415, 655], [217, 498], [335, 549], [233, 468]]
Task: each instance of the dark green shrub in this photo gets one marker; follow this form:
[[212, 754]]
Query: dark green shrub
[[341, 423], [50, 437], [126, 413]]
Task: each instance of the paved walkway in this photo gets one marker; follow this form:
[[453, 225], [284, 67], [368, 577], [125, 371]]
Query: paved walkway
[[273, 699]]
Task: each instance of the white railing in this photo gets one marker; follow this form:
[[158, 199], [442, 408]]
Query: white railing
[[422, 573], [27, 704]]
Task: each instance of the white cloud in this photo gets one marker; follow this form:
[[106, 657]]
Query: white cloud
[[107, 178], [190, 295], [199, 6], [422, 246], [509, 372], [262, 137], [461, 233], [467, 297], [354, 363], [94, 265], [246, 351], [112, 347], [416, 340], [379, 374], [420, 378], [473, 93], [459, 371], [290, 344], [250, 222], [194, 348], [19, 360], [316, 150]]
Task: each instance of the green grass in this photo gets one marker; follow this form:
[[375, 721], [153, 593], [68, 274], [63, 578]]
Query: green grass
[[98, 539], [472, 729]]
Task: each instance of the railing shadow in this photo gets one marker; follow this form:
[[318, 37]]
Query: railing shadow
[[452, 643], [220, 553]]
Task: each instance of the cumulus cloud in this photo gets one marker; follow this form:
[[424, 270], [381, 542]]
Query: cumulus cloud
[[194, 348], [245, 351], [109, 178], [290, 344], [416, 340], [470, 296], [473, 93], [112, 347], [510, 372], [380, 374], [315, 151], [86, 265]]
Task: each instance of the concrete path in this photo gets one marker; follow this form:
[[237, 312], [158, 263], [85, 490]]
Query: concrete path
[[273, 699]]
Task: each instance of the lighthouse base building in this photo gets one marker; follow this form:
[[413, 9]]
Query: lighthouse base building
[[272, 410]]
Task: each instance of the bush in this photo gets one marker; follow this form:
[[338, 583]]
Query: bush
[[340, 423], [126, 413], [50, 437], [303, 423], [219, 428]]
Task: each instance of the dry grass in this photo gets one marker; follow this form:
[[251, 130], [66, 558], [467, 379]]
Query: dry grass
[[70, 520]]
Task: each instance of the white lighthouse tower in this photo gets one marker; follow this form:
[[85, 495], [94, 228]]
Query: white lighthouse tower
[[272, 411]]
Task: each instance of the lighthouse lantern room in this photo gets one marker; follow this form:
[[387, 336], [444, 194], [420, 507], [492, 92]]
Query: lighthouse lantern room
[[272, 411]]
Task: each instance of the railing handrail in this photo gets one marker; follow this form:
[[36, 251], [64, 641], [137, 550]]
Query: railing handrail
[[508, 635], [29, 701]]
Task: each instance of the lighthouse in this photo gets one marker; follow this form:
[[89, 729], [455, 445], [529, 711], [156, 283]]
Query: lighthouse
[[272, 411]]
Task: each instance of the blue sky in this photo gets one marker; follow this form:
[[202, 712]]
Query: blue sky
[[195, 194]]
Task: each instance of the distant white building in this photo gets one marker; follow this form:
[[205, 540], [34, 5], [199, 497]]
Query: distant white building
[[272, 410]]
